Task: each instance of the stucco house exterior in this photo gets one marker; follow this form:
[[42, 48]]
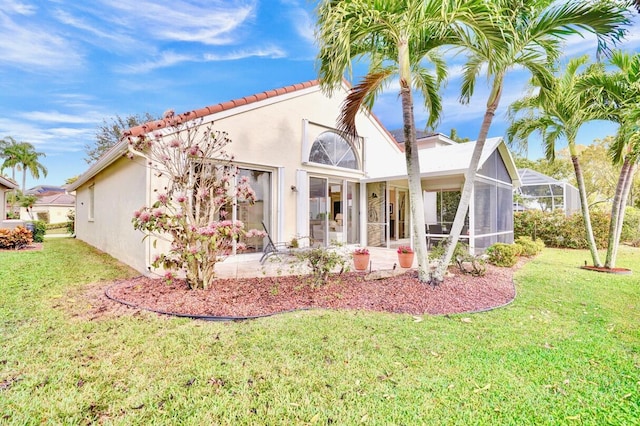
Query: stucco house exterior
[[311, 183]]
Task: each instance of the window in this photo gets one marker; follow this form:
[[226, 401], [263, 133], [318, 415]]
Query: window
[[332, 149], [91, 201]]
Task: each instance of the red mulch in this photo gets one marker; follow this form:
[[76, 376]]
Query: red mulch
[[620, 271], [247, 297], [30, 247]]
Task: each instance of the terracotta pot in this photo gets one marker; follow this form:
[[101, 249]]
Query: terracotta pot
[[361, 261], [405, 259]]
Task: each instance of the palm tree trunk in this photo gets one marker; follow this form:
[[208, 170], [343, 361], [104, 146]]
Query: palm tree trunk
[[615, 212], [469, 178], [584, 206], [615, 232], [416, 200]]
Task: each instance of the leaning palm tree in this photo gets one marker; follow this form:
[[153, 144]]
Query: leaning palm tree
[[531, 38], [558, 112], [617, 96], [398, 38]]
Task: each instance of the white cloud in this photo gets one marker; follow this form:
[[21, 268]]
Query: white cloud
[[206, 22], [30, 46], [16, 7], [58, 117], [302, 21], [168, 59]]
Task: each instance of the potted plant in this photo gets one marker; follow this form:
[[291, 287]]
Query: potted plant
[[361, 258], [405, 256]]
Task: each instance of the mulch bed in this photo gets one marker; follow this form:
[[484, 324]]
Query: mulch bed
[[247, 297], [30, 247], [619, 271]]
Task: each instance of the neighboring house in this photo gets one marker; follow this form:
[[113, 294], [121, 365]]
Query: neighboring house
[[50, 207], [5, 186], [310, 182], [541, 192]]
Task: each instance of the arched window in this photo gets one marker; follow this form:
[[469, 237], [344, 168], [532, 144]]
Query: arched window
[[332, 149]]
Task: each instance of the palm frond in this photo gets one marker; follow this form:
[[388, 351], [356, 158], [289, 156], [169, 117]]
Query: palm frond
[[356, 98]]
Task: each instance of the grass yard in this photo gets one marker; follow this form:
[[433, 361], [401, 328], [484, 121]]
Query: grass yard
[[567, 351]]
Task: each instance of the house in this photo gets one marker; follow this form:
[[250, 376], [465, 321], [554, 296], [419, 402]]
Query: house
[[311, 183], [5, 186], [541, 192], [50, 207]]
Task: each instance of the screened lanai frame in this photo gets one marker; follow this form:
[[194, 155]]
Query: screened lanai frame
[[541, 192]]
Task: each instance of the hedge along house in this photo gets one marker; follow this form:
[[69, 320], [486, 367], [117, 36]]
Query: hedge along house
[[311, 183]]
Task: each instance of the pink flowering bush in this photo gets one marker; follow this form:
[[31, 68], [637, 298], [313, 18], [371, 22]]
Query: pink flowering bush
[[191, 211], [362, 250]]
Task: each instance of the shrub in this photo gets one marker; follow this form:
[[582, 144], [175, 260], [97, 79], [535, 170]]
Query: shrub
[[472, 265], [501, 254], [322, 261], [40, 228], [631, 225], [71, 224], [17, 238], [191, 211], [21, 237], [437, 252], [404, 250], [557, 230], [6, 241], [529, 247]]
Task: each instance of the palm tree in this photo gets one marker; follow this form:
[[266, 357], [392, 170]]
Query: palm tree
[[618, 96], [558, 112], [398, 38], [23, 156], [531, 39]]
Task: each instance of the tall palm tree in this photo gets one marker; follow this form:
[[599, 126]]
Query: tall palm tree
[[558, 112], [398, 38], [618, 98], [23, 156], [531, 32]]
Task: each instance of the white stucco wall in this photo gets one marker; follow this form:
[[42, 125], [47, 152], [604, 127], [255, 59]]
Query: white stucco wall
[[119, 190]]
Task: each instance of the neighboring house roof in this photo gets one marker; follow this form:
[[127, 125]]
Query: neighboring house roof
[[120, 148], [532, 177], [8, 183], [447, 160], [398, 134], [56, 199], [42, 189]]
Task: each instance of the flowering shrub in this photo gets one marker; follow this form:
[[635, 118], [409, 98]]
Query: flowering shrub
[[191, 211], [405, 249], [362, 250]]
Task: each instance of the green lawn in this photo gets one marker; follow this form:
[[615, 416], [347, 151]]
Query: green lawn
[[567, 351]]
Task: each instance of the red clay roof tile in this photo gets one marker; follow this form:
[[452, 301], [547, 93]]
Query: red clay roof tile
[[212, 109]]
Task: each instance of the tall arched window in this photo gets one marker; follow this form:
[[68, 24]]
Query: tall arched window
[[332, 149]]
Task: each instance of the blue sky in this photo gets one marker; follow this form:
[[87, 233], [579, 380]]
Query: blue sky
[[66, 66]]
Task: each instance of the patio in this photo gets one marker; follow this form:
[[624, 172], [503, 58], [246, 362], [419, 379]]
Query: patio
[[248, 265]]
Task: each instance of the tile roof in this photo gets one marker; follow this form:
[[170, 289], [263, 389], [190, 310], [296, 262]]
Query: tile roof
[[212, 109]]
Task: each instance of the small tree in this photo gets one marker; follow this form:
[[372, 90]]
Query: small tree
[[192, 211]]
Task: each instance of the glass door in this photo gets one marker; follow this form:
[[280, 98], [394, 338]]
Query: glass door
[[318, 223], [252, 215]]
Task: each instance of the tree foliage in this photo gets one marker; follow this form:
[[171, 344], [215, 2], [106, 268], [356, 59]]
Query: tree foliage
[[111, 132]]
